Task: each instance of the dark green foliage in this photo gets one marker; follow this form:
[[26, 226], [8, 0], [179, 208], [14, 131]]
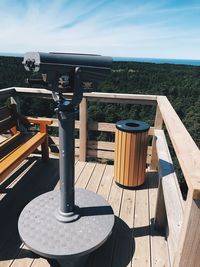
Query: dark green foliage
[[37, 107], [180, 83], [12, 72]]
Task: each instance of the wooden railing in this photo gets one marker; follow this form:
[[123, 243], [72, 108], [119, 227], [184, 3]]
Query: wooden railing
[[90, 148], [181, 219], [100, 149]]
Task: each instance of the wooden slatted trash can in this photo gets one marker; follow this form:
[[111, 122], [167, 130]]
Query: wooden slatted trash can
[[130, 152]]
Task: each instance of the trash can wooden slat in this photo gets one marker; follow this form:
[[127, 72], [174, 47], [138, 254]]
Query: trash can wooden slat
[[130, 152]]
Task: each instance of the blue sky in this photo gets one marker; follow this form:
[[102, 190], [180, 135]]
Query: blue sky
[[129, 28]]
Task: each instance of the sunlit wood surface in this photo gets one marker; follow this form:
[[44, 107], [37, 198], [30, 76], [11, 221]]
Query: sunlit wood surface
[[134, 241]]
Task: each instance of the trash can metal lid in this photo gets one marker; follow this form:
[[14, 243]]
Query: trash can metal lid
[[132, 126]]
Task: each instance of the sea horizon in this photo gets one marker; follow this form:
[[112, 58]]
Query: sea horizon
[[192, 62]]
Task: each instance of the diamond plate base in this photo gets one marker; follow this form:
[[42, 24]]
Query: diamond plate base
[[45, 235]]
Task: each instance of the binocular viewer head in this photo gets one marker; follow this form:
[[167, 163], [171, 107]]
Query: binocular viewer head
[[58, 70], [34, 61]]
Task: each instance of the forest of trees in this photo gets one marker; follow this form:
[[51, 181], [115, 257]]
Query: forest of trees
[[180, 83]]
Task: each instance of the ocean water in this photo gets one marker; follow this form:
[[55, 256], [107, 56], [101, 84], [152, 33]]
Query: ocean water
[[159, 60], [136, 59], [4, 54]]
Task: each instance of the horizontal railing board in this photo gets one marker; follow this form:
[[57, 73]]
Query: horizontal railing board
[[97, 126], [93, 126], [96, 145], [91, 144], [172, 195], [99, 149], [101, 126], [109, 127], [108, 155], [100, 154]]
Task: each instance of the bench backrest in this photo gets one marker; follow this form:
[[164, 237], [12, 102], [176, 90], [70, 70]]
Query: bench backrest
[[8, 119]]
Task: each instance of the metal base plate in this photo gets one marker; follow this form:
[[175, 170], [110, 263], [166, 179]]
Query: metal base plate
[[51, 238]]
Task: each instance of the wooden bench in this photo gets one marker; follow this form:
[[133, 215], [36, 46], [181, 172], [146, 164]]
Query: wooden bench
[[19, 144]]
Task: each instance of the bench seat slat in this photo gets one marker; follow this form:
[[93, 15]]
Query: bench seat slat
[[17, 156], [9, 140], [14, 144]]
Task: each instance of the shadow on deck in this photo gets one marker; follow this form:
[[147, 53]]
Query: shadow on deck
[[134, 241]]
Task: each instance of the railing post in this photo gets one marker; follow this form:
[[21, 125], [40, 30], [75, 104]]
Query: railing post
[[15, 100], [158, 124], [160, 219], [187, 253], [160, 214], [83, 130]]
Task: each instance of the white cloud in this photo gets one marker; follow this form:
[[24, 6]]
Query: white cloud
[[126, 31]]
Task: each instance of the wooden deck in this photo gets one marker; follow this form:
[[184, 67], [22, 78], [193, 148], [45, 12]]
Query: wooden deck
[[134, 241]]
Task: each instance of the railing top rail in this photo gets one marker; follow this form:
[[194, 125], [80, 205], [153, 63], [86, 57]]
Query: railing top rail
[[37, 92], [120, 96], [108, 97], [186, 150]]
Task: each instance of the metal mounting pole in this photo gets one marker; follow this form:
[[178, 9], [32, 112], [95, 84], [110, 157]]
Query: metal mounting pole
[[68, 212], [66, 134]]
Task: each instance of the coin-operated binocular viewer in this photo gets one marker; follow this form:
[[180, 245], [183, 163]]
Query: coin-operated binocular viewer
[[55, 224]]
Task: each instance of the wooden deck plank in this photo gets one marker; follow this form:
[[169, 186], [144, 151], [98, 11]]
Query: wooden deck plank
[[141, 231], [105, 184], [124, 237], [25, 258], [85, 175], [96, 177], [10, 250], [80, 165], [15, 176], [114, 200], [103, 255], [40, 262], [128, 207], [159, 249]]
